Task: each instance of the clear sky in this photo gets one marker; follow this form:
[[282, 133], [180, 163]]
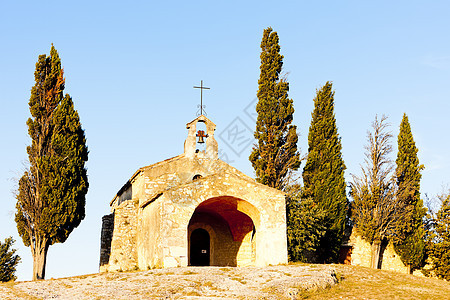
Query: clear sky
[[130, 67]]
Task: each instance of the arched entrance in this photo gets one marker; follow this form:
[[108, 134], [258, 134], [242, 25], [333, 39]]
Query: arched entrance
[[231, 232], [200, 248]]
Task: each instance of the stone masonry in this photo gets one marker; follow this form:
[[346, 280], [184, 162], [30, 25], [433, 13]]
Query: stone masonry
[[156, 214], [361, 253]]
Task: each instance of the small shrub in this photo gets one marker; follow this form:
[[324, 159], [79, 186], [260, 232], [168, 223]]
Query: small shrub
[[8, 260]]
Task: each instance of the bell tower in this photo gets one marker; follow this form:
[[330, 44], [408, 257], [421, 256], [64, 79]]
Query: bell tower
[[190, 145]]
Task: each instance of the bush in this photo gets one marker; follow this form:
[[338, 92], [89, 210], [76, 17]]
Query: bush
[[8, 261], [305, 227]]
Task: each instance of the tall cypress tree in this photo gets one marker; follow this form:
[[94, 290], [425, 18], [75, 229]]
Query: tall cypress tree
[[275, 155], [410, 243], [323, 174], [439, 240], [51, 195]]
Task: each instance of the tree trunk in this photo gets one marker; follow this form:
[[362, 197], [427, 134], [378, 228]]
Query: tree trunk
[[375, 254], [39, 259], [408, 269]]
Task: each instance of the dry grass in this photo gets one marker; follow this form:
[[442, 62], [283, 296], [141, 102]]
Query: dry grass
[[13, 293], [239, 279], [281, 282], [365, 283]]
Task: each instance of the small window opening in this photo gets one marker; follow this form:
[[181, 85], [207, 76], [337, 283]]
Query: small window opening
[[198, 176]]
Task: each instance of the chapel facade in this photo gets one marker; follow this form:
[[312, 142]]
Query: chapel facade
[[193, 210]]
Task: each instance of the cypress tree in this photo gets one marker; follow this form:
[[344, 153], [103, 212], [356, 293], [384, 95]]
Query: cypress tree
[[323, 174], [439, 251], [51, 195], [275, 155], [410, 244], [8, 260]]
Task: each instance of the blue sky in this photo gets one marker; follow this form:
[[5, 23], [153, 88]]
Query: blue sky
[[130, 69]]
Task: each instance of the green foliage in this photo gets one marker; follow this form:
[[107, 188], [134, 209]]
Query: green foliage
[[305, 226], [408, 167], [323, 174], [275, 155], [376, 213], [67, 181], [374, 186], [412, 248], [409, 244], [51, 196], [439, 241], [8, 260]]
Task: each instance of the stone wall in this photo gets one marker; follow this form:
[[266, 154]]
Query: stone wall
[[105, 240], [360, 251], [390, 260], [149, 236], [265, 206], [123, 244]]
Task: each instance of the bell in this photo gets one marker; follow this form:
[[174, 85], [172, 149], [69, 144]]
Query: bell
[[201, 140], [201, 135]]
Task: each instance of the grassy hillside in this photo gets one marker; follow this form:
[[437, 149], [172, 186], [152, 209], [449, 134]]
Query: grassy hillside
[[365, 283], [297, 281]]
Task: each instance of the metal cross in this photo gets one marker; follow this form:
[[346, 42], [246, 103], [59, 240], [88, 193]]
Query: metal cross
[[201, 87]]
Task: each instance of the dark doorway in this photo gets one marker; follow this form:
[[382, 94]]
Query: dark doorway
[[345, 255], [199, 247]]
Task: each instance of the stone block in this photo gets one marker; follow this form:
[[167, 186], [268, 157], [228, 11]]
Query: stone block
[[178, 251], [170, 262]]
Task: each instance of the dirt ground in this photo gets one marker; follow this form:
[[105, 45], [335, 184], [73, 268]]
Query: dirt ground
[[277, 282]]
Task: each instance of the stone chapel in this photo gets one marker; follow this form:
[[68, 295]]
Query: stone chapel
[[193, 210]]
